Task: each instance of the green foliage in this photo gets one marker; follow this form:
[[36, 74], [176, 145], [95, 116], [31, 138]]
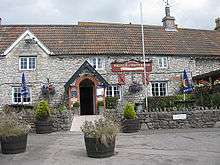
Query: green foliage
[[161, 102], [62, 108], [199, 99], [129, 112], [103, 129], [100, 103], [111, 102], [10, 125], [76, 104], [208, 100], [180, 97], [216, 99], [42, 110]]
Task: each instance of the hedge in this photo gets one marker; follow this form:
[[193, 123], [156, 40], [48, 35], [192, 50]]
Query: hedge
[[111, 102]]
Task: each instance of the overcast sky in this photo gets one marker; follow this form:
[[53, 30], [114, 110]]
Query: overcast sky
[[188, 13]]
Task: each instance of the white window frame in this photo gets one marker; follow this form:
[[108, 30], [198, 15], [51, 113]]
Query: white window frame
[[164, 62], [96, 61], [28, 59], [113, 93], [159, 82], [12, 96]]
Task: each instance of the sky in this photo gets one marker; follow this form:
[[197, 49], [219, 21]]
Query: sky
[[199, 14]]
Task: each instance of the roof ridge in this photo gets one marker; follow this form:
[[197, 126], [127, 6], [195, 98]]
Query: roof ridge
[[106, 24], [37, 25], [192, 29]]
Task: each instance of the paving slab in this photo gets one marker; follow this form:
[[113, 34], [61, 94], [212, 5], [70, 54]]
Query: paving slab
[[153, 147]]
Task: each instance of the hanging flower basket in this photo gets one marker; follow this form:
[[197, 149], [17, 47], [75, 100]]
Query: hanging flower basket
[[135, 87], [48, 90]]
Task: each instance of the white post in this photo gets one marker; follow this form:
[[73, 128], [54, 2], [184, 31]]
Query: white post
[[143, 49]]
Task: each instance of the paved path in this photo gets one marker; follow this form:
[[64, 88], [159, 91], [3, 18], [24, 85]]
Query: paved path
[[162, 147], [78, 121]]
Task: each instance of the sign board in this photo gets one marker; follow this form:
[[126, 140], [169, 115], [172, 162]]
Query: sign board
[[131, 66], [179, 117], [99, 91]]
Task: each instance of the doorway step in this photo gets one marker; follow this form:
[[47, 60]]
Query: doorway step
[[78, 121]]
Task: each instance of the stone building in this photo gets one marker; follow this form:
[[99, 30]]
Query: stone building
[[89, 61]]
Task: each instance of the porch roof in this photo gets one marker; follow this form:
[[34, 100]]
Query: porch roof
[[85, 68], [213, 74]]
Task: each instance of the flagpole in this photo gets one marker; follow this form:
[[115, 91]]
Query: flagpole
[[184, 95], [143, 49]]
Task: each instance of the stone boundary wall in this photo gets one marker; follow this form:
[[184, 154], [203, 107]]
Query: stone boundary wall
[[62, 121], [194, 119]]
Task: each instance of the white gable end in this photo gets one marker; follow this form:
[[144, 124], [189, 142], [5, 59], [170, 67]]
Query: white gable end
[[27, 35]]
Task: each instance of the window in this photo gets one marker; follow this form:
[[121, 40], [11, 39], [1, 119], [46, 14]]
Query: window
[[159, 88], [17, 98], [163, 62], [27, 63], [113, 91], [97, 63]]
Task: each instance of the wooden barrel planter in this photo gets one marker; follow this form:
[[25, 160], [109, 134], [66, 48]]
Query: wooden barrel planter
[[131, 125], [43, 126], [14, 144], [96, 149]]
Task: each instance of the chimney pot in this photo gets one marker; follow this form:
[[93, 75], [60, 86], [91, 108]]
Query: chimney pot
[[217, 21], [168, 21], [167, 11]]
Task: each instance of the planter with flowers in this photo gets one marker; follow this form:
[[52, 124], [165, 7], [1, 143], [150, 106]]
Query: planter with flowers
[[130, 122], [100, 137], [43, 122], [75, 108], [100, 107], [13, 134], [48, 90]]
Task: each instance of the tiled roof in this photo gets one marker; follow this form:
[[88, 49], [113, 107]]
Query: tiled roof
[[98, 38]]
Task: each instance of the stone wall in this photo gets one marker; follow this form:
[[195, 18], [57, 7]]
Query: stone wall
[[194, 119], [62, 121]]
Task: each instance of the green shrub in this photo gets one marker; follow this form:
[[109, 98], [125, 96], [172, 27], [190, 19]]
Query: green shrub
[[100, 103], [76, 104], [216, 99], [111, 102], [42, 111], [161, 102], [180, 97], [129, 112], [62, 108], [208, 100]]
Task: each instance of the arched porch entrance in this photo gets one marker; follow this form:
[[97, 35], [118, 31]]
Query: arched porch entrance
[[87, 97]]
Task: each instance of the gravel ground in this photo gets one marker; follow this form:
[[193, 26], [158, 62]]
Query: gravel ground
[[153, 147]]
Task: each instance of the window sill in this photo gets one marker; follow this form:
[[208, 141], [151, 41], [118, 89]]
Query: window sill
[[163, 67], [19, 104], [27, 69]]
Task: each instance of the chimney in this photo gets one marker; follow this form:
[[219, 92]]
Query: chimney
[[168, 21], [0, 21], [217, 21]]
